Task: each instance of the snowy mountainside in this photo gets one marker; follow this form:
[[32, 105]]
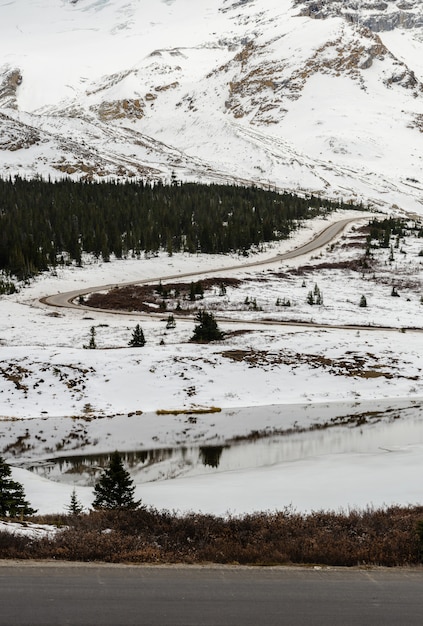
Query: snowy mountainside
[[323, 97]]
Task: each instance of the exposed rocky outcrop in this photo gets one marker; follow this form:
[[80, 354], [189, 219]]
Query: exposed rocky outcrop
[[417, 122], [376, 15], [260, 85], [16, 136], [10, 79], [121, 109]]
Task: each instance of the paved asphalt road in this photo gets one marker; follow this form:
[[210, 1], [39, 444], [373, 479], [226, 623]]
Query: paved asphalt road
[[50, 594], [318, 241]]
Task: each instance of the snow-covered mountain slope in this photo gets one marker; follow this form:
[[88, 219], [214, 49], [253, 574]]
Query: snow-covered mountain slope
[[322, 96]]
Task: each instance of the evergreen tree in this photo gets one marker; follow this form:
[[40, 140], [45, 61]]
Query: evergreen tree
[[170, 324], [115, 488], [91, 344], [207, 328], [138, 339], [318, 296], [315, 296], [363, 301], [12, 496], [199, 290], [74, 507]]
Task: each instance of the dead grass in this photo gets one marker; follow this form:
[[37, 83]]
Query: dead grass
[[192, 411]]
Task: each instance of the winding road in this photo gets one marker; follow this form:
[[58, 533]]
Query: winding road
[[68, 299]]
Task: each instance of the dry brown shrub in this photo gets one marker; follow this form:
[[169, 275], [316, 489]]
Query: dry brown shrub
[[387, 536], [148, 297]]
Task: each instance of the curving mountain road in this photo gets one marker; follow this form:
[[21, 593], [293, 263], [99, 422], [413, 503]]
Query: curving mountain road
[[67, 299]]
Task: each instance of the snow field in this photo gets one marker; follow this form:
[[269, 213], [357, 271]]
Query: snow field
[[48, 376]]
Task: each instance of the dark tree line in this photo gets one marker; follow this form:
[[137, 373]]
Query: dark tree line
[[382, 230], [43, 224]]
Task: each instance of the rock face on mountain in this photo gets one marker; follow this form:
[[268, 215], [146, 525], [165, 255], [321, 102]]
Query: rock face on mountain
[[10, 81], [323, 96], [378, 15], [16, 136]]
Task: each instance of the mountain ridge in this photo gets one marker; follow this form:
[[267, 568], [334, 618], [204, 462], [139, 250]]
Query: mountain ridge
[[320, 97]]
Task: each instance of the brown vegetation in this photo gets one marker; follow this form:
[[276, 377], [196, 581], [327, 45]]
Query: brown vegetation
[[191, 411], [154, 297], [355, 265], [352, 364], [388, 537]]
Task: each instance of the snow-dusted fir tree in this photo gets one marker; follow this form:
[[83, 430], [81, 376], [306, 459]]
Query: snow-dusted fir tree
[[12, 496], [115, 488], [138, 339]]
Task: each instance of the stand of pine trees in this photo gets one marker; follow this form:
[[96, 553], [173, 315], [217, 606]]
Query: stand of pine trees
[[43, 224]]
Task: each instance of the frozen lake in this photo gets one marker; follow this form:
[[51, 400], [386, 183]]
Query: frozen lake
[[390, 432]]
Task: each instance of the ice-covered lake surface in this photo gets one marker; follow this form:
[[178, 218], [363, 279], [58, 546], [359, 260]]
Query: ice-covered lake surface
[[308, 457], [388, 431]]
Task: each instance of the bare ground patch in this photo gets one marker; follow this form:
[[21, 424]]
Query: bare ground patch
[[353, 364]]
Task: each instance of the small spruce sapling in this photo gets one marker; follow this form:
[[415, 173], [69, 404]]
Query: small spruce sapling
[[138, 339], [318, 296], [170, 324], [74, 507], [92, 343]]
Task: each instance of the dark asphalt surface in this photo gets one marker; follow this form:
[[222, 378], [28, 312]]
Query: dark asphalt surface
[[101, 595]]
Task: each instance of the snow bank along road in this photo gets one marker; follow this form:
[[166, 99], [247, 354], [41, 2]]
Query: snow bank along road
[[102, 595], [67, 299]]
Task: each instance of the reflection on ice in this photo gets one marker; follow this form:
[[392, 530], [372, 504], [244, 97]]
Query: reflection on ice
[[164, 463]]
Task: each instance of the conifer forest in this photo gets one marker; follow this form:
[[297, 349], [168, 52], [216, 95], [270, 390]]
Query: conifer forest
[[43, 223]]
